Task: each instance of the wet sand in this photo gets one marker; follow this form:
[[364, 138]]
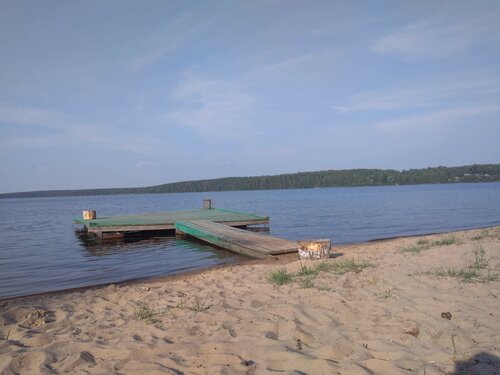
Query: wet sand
[[421, 305]]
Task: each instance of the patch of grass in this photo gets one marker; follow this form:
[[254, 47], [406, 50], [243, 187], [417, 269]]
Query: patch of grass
[[349, 265], [415, 249], [280, 277], [491, 274], [423, 241], [306, 274], [479, 270], [487, 233], [325, 267], [307, 282], [198, 305], [425, 244], [480, 260], [449, 239], [387, 293], [145, 313], [464, 274], [306, 271]]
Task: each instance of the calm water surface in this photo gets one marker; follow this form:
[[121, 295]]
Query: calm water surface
[[42, 250]]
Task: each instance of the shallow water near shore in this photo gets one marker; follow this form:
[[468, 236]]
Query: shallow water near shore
[[42, 250]]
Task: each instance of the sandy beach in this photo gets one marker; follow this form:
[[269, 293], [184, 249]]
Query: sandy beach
[[421, 305]]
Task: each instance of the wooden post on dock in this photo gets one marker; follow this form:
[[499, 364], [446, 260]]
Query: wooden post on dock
[[207, 204], [314, 249], [89, 214]]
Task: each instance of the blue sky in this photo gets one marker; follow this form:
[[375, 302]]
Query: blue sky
[[135, 93]]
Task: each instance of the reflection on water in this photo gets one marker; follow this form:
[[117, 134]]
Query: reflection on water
[[140, 241], [131, 242], [260, 229]]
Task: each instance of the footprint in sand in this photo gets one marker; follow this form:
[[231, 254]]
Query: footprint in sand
[[32, 362], [256, 304], [84, 359], [136, 337]]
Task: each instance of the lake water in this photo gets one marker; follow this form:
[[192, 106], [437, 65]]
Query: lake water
[[42, 250]]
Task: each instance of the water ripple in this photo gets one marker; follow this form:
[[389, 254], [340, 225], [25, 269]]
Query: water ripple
[[42, 250]]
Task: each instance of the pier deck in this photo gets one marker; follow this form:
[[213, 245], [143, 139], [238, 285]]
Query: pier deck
[[237, 240], [166, 220]]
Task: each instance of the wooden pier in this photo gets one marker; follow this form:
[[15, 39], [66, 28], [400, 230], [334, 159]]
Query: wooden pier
[[237, 240], [166, 220], [212, 225]]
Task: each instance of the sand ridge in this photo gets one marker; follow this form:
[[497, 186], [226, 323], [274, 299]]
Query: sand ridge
[[390, 317]]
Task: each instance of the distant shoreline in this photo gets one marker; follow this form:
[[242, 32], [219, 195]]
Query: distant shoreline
[[301, 180]]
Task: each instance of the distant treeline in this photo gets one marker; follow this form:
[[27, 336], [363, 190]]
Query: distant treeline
[[330, 178]]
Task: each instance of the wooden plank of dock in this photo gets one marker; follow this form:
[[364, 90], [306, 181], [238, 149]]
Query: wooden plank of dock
[[237, 240], [166, 220]]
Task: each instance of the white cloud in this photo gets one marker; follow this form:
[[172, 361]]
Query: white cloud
[[31, 116], [179, 30], [141, 164], [434, 103], [214, 108], [422, 40], [282, 66], [430, 93], [437, 119], [229, 108], [64, 132], [440, 36], [150, 57]]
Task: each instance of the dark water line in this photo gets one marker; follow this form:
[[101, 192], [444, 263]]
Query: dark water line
[[382, 239], [166, 278]]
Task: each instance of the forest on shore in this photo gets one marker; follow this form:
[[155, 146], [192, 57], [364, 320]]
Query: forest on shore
[[300, 180]]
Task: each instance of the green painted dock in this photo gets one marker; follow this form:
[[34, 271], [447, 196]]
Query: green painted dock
[[166, 220], [213, 225], [237, 240]]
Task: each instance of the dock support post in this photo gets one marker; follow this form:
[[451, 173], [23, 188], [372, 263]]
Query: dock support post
[[314, 249], [103, 236], [207, 204], [112, 235]]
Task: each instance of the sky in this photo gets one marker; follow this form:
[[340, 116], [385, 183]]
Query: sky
[[109, 93]]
